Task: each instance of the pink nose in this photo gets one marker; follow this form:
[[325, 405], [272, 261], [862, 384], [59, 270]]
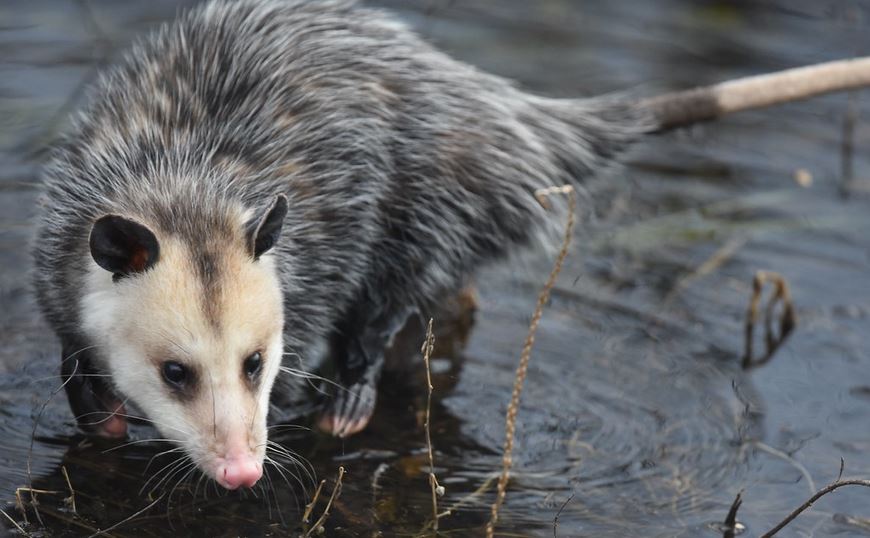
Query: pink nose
[[237, 472]]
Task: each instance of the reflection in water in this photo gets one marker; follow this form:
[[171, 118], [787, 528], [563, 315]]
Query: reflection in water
[[634, 404]]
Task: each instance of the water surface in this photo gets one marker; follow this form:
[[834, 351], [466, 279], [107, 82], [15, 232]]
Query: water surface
[[636, 408]]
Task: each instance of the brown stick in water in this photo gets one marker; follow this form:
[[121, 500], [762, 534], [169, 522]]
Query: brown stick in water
[[787, 321]]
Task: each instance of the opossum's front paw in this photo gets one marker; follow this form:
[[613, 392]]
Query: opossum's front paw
[[349, 411]]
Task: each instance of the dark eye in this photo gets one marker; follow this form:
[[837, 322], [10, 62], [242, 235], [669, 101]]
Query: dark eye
[[175, 374], [252, 365]]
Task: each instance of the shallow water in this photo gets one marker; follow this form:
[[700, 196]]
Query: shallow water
[[635, 408]]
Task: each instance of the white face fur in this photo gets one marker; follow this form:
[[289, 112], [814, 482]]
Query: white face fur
[[223, 344]]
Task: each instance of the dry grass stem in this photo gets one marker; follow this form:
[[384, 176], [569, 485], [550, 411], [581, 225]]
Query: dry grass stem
[[543, 195], [513, 407], [71, 500], [437, 489], [787, 321], [336, 491], [310, 506], [19, 501], [17, 526]]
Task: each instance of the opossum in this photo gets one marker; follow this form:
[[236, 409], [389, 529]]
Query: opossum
[[264, 177]]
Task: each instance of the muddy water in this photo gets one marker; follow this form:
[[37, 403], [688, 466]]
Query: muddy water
[[636, 408]]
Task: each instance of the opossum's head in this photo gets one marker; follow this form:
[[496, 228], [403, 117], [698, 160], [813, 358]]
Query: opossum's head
[[190, 330]]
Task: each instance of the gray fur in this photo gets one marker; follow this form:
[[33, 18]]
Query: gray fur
[[404, 169]]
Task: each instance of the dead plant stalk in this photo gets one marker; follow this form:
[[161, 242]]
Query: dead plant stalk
[[336, 491], [437, 489], [310, 506], [543, 297]]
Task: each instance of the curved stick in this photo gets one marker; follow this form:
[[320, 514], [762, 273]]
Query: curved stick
[[819, 494]]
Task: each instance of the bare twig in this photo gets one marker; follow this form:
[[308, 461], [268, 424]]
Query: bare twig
[[437, 489], [336, 491], [310, 506], [819, 494], [730, 526], [559, 513], [513, 407], [787, 321]]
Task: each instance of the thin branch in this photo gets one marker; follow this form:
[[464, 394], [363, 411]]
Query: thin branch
[[819, 494], [513, 407], [437, 489], [336, 491], [310, 506]]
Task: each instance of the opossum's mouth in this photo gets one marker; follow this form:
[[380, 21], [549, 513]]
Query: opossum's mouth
[[97, 408], [115, 425]]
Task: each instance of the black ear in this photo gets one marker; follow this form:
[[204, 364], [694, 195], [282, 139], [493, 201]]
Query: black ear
[[122, 246], [263, 230]]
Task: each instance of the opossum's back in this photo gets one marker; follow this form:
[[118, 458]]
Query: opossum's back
[[253, 78], [380, 141]]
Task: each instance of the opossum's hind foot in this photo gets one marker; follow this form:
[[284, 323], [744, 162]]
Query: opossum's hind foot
[[355, 394], [349, 411], [360, 362], [98, 411]]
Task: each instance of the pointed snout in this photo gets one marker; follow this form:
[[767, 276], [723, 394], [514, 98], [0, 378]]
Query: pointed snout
[[239, 471]]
